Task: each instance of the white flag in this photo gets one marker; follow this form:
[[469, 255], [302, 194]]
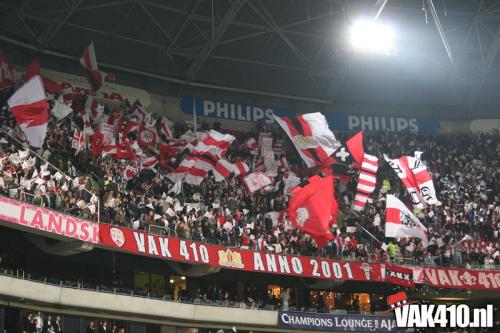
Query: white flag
[[400, 221]]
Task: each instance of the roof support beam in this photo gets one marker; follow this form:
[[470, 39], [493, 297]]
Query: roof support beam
[[219, 31], [185, 22], [163, 32], [489, 60], [266, 17], [58, 22]]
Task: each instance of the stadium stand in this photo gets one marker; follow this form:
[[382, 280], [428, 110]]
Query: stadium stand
[[214, 185], [462, 165]]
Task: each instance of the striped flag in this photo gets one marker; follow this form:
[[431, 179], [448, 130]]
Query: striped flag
[[222, 170], [366, 182], [241, 168], [215, 144], [415, 177], [311, 136]]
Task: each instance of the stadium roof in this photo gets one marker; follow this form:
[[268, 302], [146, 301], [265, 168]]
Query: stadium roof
[[297, 48]]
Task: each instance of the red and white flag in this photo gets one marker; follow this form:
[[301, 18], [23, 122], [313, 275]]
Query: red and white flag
[[223, 170], [147, 137], [313, 208], [78, 141], [130, 127], [149, 162], [193, 170], [30, 107], [291, 180], [283, 163], [94, 108], [415, 177], [138, 113], [251, 145], [255, 181], [96, 143], [130, 172], [166, 128], [241, 168], [400, 221], [60, 109], [366, 182], [89, 62], [215, 144], [311, 136]]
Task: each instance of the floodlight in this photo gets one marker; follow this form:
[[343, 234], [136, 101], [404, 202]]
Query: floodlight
[[372, 37]]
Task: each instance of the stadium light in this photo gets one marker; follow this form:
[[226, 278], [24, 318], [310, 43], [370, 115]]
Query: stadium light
[[372, 37]]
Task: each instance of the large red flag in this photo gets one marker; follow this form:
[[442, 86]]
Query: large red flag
[[355, 146], [313, 208]]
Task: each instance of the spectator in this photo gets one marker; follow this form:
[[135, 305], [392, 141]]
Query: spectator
[[285, 298], [91, 327]]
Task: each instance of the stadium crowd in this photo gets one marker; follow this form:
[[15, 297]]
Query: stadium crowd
[[464, 167]]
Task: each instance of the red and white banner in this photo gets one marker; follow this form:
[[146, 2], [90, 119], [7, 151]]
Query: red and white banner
[[457, 278], [480, 246], [170, 248], [255, 181], [49, 221]]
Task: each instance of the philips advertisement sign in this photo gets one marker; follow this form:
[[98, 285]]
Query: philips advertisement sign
[[337, 323], [337, 122], [344, 122], [229, 111]]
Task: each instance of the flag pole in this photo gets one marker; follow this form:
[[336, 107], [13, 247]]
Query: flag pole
[[369, 233], [195, 126]]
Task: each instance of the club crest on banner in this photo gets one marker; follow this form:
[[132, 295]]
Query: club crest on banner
[[117, 236], [407, 221], [367, 269], [302, 216], [228, 258], [147, 136]]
